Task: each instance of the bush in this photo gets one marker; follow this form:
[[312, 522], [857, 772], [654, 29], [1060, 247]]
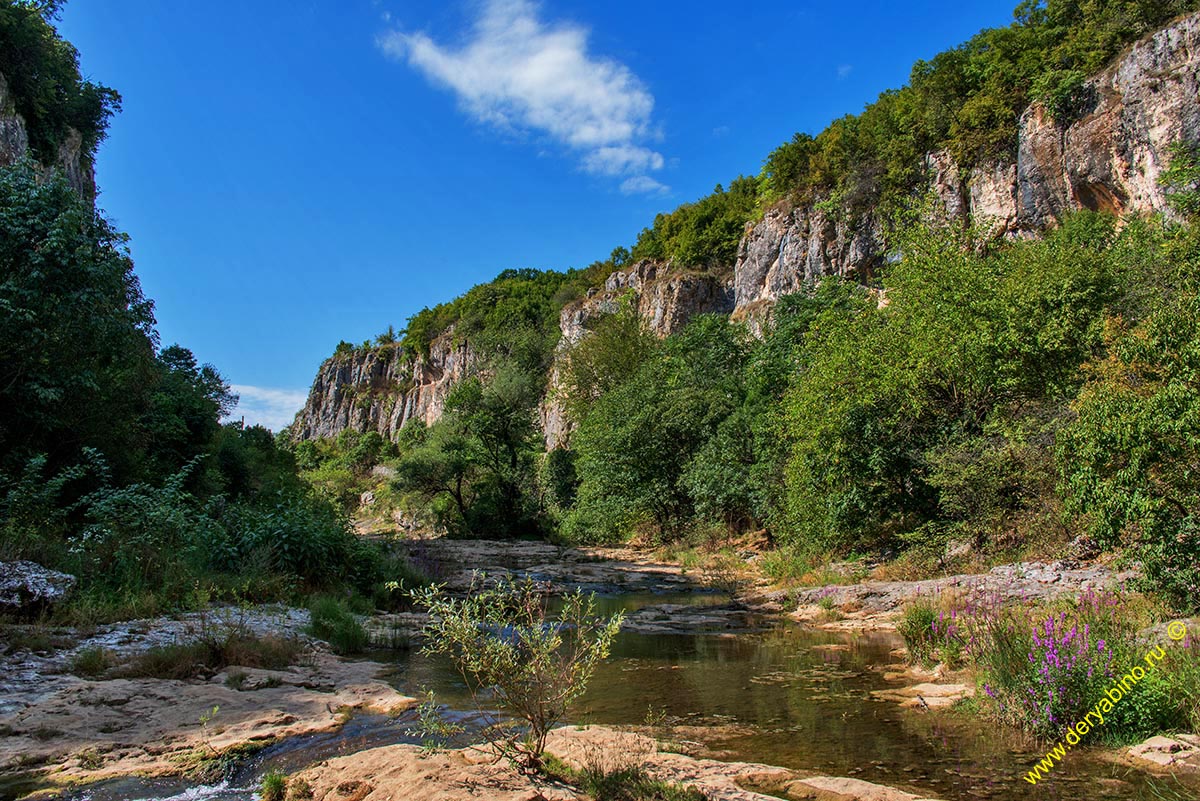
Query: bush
[[501, 639], [214, 650], [333, 622]]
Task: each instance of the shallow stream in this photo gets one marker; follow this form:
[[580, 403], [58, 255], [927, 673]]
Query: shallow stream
[[781, 695]]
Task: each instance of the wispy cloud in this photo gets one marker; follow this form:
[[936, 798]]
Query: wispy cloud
[[264, 406], [518, 72], [643, 185], [844, 70]]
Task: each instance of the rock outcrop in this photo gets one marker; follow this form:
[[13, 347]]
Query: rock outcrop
[[383, 388], [1109, 159], [27, 588], [14, 146], [665, 297]]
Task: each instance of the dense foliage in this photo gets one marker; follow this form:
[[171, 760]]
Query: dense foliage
[[114, 465], [1004, 397], [41, 71], [704, 234]]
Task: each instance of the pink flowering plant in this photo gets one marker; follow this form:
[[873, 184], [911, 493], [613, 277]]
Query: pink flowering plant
[[1044, 668]]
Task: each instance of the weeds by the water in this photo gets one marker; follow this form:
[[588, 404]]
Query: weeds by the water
[[273, 787], [628, 783], [1044, 666], [333, 622]]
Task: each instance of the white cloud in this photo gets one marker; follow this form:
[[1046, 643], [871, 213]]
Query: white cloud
[[844, 71], [517, 72], [642, 185], [264, 406]]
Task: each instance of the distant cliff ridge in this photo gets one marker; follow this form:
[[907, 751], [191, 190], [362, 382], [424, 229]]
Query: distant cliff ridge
[[1109, 158], [14, 145], [381, 389]]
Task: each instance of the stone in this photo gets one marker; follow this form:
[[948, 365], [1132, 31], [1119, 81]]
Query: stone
[[27, 588], [1178, 753], [383, 388]]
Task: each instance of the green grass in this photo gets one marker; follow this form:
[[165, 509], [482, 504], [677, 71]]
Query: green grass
[[334, 623], [92, 662], [621, 784], [274, 786], [916, 627], [191, 659]]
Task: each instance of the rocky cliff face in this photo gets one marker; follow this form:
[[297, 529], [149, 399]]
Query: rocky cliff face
[[1110, 159], [14, 145], [382, 389]]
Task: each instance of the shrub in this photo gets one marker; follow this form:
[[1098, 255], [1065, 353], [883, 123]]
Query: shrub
[[91, 662], [334, 623], [501, 639]]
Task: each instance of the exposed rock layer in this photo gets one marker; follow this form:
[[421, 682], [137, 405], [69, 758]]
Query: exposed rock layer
[[382, 389], [14, 145]]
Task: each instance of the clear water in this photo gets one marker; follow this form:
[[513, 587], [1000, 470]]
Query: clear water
[[784, 696]]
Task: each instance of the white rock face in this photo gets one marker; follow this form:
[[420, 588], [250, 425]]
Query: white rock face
[[665, 298], [382, 389]]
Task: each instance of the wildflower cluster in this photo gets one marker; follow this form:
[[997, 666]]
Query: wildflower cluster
[[1068, 661], [1041, 668]]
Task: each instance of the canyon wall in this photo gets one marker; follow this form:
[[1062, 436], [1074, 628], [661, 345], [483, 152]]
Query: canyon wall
[[381, 389], [1109, 158]]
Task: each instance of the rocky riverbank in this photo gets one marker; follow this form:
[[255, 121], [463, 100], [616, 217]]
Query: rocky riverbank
[[60, 729], [64, 729]]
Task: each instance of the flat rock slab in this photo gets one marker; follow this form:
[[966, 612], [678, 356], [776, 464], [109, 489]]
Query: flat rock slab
[[403, 772], [926, 695], [1179, 752], [27, 678], [605, 571], [92, 730]]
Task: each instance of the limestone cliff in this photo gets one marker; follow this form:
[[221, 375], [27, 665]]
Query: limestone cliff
[[1109, 159], [14, 145], [382, 388]]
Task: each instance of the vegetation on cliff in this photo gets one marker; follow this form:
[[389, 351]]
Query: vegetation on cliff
[[997, 394], [41, 70]]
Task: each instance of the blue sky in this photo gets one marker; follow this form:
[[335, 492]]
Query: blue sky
[[296, 173]]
